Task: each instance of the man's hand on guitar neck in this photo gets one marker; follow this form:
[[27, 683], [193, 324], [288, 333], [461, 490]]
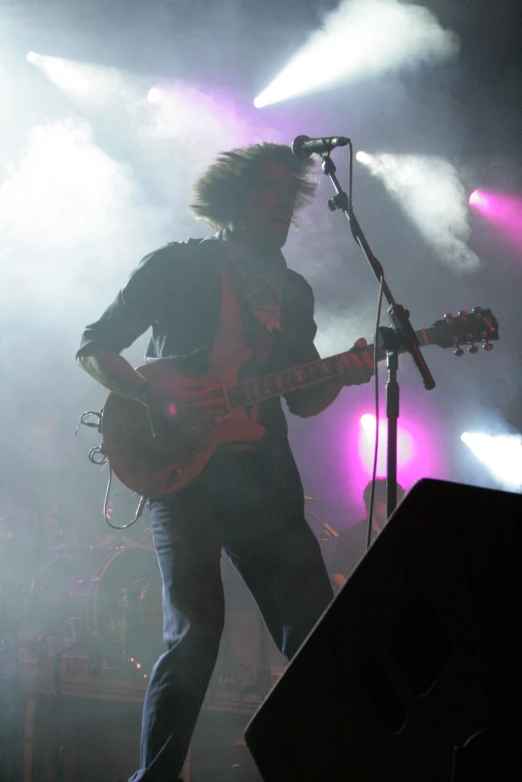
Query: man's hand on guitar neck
[[357, 364], [357, 368]]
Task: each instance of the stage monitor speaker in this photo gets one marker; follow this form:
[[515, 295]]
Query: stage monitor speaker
[[420, 650]]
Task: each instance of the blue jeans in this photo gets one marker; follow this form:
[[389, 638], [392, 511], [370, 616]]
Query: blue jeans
[[251, 505]]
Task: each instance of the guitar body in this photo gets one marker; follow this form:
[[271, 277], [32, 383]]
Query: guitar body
[[155, 455]]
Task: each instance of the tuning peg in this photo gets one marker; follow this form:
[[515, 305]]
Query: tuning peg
[[448, 316], [488, 347], [473, 349], [463, 313], [458, 351], [477, 311]]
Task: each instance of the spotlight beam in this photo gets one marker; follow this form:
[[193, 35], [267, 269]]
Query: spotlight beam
[[361, 38], [429, 191], [501, 454]]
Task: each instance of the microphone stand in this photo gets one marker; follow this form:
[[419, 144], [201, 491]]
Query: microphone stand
[[400, 337]]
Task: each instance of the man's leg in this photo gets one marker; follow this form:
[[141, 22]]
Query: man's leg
[[288, 580], [189, 549], [272, 547]]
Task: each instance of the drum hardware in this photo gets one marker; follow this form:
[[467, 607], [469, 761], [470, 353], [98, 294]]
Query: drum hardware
[[125, 604], [9, 652], [28, 651], [117, 616], [327, 533]]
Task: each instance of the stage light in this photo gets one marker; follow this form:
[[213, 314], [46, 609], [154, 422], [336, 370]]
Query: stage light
[[154, 95], [405, 446], [368, 422], [501, 454], [363, 157], [33, 58], [419, 454], [429, 191], [361, 38], [502, 210], [478, 199], [65, 74], [94, 87]]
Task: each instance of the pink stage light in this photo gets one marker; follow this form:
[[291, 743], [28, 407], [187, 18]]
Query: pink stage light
[[478, 199], [405, 445], [504, 211], [418, 454]]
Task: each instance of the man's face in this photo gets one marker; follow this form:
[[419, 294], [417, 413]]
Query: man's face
[[269, 206], [379, 514]]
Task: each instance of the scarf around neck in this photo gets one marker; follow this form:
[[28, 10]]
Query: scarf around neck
[[261, 277]]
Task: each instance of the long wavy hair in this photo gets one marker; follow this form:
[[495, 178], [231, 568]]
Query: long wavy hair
[[221, 189]]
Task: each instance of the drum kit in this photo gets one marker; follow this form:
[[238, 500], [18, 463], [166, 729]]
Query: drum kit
[[95, 603], [102, 599]]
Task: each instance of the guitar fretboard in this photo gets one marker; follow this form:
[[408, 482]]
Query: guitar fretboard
[[259, 389], [283, 382], [467, 328]]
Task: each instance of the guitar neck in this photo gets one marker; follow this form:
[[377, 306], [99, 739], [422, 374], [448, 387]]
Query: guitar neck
[[283, 382]]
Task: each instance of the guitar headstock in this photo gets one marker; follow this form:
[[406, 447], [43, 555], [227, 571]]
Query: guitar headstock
[[466, 328]]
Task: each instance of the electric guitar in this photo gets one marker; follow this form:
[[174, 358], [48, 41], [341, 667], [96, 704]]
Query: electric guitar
[[154, 455]]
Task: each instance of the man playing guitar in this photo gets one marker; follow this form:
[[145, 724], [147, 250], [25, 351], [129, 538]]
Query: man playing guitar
[[208, 302]]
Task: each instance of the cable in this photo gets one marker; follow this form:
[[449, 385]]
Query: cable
[[376, 449], [106, 516], [350, 177], [375, 360], [98, 456], [84, 420]]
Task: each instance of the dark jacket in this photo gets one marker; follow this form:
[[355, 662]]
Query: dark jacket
[[177, 290]]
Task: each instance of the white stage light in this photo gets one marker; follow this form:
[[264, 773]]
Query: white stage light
[[501, 454], [154, 95], [368, 423], [68, 75], [359, 39], [363, 157], [33, 58], [430, 192], [94, 87]]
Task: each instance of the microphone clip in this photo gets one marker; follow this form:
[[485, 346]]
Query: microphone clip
[[339, 201]]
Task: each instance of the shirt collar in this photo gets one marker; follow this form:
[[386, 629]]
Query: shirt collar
[[253, 259]]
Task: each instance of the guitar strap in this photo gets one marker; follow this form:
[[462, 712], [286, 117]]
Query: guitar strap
[[264, 339], [207, 250], [263, 346]]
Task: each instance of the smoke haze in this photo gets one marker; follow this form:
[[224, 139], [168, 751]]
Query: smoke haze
[[93, 176], [430, 192], [361, 39]]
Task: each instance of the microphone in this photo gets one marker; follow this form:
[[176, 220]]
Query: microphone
[[303, 146]]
